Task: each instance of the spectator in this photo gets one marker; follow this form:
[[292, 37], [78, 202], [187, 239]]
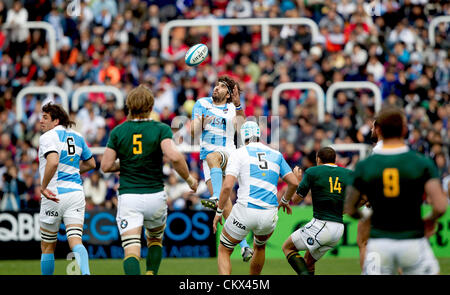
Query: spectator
[[16, 18], [55, 19], [175, 51], [66, 55], [62, 81], [109, 73], [98, 6], [92, 128], [25, 71], [331, 20], [13, 190], [239, 9], [95, 190]]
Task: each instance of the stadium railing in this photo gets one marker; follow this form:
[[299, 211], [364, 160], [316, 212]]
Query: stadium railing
[[362, 148], [96, 89], [352, 85], [299, 85], [51, 33], [215, 23], [432, 27], [40, 90]]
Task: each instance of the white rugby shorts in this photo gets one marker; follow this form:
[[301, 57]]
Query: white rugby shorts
[[69, 209], [135, 210], [318, 236], [414, 256], [242, 220]]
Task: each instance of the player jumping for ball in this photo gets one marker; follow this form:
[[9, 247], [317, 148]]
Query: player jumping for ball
[[216, 119]]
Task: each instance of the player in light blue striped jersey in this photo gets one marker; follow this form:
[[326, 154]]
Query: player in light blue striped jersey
[[257, 168], [217, 118], [63, 157]]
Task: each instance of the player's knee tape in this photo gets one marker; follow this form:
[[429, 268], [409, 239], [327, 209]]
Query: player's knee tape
[[49, 237], [224, 160], [226, 242], [155, 234], [131, 240], [74, 232], [259, 242]]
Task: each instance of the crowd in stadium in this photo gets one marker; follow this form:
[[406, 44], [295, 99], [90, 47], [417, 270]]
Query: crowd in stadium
[[118, 43]]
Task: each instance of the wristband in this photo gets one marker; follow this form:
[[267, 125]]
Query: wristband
[[219, 212], [189, 179], [284, 201], [239, 107]]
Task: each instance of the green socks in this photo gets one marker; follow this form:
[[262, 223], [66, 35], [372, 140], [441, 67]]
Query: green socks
[[154, 257], [298, 263], [131, 265]]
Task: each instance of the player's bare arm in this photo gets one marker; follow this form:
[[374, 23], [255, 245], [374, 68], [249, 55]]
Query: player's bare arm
[[438, 202], [227, 186], [297, 171], [352, 201], [85, 166], [292, 182], [109, 163], [50, 168], [179, 162], [240, 114]]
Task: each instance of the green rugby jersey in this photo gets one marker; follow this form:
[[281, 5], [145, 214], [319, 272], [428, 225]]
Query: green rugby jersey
[[393, 181], [327, 184], [138, 146]]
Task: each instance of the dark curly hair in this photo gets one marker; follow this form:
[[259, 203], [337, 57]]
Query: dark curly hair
[[57, 112], [230, 85]]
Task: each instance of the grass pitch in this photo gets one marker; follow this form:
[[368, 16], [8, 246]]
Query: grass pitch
[[196, 266]]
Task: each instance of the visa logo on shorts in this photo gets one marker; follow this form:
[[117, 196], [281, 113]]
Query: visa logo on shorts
[[238, 224], [51, 213]]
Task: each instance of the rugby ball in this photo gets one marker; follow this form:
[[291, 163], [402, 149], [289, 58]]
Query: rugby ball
[[196, 55]]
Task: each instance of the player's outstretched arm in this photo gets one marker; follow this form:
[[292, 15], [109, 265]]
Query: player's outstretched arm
[[227, 186], [438, 202], [292, 183], [50, 169], [196, 127], [85, 166], [109, 163], [179, 162]]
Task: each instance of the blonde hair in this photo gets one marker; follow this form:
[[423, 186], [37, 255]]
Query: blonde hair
[[140, 102]]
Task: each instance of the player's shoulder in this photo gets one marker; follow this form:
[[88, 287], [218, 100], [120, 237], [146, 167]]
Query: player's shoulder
[[74, 132], [314, 170], [51, 134], [419, 158], [260, 147], [239, 151], [344, 171], [120, 126], [269, 149], [161, 126], [204, 101], [158, 124], [365, 162]]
